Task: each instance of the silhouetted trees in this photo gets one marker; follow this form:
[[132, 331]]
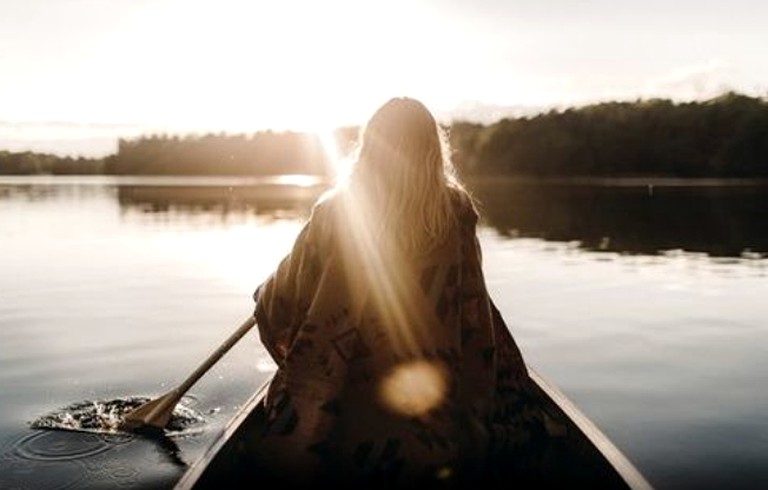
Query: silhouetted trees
[[723, 137], [27, 162], [263, 153]]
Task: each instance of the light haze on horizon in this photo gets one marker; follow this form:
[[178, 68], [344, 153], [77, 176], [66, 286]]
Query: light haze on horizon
[[76, 74]]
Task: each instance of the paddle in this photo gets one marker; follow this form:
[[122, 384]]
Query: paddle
[[156, 413]]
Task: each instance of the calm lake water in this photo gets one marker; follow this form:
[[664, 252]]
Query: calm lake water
[[645, 304]]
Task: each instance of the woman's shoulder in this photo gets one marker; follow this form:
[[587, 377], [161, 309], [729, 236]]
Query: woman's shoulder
[[325, 215], [326, 205]]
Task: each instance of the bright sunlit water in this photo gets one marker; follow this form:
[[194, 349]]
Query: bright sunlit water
[[112, 288]]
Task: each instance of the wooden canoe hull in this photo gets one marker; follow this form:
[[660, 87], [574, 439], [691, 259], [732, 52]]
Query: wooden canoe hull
[[575, 453]]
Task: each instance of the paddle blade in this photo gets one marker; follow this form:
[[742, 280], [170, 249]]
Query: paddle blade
[[155, 413]]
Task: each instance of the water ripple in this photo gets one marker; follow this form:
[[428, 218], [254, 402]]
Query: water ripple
[[58, 446]]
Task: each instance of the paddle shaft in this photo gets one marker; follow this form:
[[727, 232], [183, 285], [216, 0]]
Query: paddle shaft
[[214, 357], [157, 412]]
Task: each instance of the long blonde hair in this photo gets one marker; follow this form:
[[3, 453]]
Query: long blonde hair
[[403, 177]]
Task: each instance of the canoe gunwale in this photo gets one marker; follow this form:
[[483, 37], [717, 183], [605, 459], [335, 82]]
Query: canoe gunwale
[[612, 454], [196, 470]]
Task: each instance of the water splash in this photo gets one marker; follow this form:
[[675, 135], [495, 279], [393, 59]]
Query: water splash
[[104, 417]]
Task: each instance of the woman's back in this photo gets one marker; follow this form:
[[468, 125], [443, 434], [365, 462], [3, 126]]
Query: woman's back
[[383, 335], [405, 375]]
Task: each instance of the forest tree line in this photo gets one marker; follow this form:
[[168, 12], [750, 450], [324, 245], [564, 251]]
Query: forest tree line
[[27, 162], [263, 153], [722, 137]]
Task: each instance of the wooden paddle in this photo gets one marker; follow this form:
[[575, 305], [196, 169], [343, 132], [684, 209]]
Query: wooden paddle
[[156, 413]]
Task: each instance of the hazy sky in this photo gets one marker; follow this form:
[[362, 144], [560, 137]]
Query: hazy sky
[[76, 73]]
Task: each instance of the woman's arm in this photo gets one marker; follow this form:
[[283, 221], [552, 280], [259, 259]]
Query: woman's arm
[[282, 300]]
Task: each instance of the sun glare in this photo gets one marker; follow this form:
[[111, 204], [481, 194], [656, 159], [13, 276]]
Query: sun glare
[[281, 66], [239, 66], [414, 389], [341, 165], [298, 180]]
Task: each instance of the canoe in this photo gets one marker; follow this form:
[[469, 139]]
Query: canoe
[[575, 453]]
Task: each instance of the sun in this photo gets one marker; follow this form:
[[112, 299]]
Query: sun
[[340, 163], [262, 65]]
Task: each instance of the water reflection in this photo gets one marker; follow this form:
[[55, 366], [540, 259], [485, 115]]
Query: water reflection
[[720, 220], [268, 199], [29, 191], [288, 195], [723, 221]]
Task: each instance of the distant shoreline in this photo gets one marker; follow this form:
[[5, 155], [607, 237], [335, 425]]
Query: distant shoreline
[[305, 180], [623, 181], [658, 140]]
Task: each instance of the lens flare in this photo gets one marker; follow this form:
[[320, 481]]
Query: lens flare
[[413, 389], [340, 164]]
